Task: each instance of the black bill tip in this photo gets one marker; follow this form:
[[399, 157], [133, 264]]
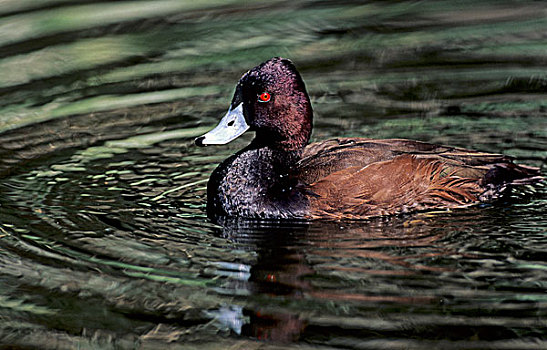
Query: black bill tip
[[199, 141]]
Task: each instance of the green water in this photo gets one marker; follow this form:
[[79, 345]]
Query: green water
[[104, 241]]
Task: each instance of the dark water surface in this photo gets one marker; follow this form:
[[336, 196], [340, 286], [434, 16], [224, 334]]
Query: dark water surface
[[104, 241]]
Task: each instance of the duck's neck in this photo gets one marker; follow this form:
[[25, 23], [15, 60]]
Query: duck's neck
[[289, 150], [289, 143]]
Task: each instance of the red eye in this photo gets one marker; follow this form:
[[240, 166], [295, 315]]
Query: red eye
[[264, 97]]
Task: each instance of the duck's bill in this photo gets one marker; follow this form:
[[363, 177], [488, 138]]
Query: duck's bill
[[231, 126]]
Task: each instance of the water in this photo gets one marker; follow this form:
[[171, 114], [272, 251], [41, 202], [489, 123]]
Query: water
[[104, 241]]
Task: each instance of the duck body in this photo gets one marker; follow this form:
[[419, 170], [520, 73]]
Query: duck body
[[280, 176]]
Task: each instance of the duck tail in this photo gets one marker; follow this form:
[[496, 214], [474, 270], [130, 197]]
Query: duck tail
[[504, 176]]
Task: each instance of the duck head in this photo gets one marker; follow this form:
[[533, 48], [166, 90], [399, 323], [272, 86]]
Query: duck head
[[270, 99]]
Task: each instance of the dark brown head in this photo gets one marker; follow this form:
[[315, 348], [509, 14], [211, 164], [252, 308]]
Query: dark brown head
[[270, 99]]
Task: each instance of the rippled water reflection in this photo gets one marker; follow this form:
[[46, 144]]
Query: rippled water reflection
[[104, 242]]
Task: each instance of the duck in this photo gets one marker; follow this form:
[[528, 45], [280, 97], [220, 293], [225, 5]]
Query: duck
[[280, 175]]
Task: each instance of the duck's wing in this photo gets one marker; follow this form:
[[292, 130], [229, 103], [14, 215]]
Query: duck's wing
[[402, 184], [359, 178], [323, 158]]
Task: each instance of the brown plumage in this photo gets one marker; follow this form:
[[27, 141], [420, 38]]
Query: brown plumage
[[357, 178]]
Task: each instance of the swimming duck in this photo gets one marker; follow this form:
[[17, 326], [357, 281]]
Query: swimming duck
[[280, 176]]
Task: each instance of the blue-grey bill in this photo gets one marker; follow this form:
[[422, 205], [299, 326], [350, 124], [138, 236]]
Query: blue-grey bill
[[231, 126]]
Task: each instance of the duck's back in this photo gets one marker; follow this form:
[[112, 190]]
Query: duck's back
[[359, 178]]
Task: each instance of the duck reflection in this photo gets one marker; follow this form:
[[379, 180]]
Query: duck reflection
[[309, 262]]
